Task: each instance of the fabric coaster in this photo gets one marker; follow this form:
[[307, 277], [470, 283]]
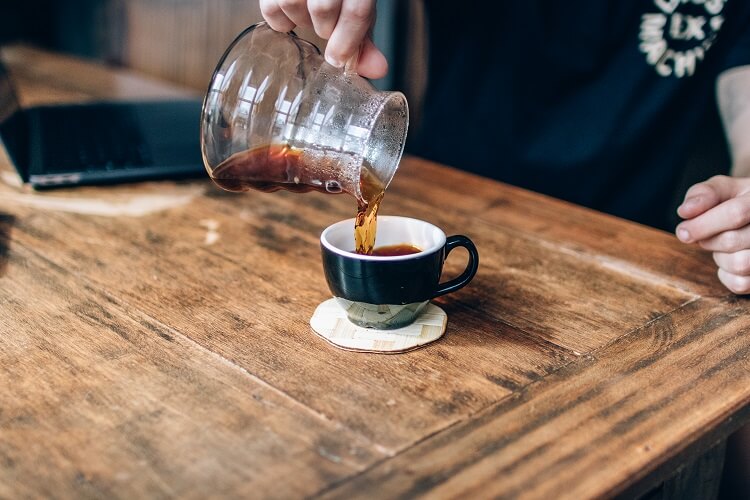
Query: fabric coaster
[[330, 322]]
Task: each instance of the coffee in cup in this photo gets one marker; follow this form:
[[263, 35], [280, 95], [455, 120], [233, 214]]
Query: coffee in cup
[[389, 289]]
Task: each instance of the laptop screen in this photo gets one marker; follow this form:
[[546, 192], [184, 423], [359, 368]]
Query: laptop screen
[[100, 142], [8, 101], [14, 131]]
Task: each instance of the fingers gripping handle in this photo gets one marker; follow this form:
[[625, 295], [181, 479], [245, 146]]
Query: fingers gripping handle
[[471, 267], [351, 65]]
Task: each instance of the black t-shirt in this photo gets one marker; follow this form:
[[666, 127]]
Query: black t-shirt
[[591, 101]]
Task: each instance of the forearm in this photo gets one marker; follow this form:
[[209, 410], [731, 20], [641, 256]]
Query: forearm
[[733, 92]]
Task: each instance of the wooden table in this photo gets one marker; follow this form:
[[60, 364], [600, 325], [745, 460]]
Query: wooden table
[[154, 341]]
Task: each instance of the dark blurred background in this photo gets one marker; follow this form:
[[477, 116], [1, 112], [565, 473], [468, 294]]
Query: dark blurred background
[[181, 40], [75, 26], [18, 22]]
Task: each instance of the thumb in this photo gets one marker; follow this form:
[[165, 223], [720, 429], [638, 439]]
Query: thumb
[[706, 195], [372, 62]]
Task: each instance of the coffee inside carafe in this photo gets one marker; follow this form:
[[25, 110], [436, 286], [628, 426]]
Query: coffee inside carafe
[[275, 167], [277, 116]]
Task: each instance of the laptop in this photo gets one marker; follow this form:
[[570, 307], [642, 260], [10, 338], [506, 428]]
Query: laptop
[[100, 142]]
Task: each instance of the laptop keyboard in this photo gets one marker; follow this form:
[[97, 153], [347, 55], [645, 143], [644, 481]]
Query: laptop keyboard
[[106, 142], [94, 139]]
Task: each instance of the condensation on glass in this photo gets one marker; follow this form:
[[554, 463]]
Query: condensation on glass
[[277, 116]]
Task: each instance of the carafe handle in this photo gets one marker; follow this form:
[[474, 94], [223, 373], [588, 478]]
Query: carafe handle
[[350, 68]]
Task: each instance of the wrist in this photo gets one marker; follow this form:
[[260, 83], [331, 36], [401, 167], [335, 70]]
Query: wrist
[[741, 166], [733, 88]]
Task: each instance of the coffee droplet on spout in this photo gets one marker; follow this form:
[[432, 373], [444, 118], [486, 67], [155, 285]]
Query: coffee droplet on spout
[[333, 187]]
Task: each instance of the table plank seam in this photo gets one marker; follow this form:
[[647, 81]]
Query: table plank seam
[[715, 434], [519, 397], [666, 454], [714, 426], [612, 263], [481, 213], [620, 266], [631, 357], [650, 322], [517, 394], [565, 349], [536, 338], [128, 309], [123, 303], [332, 486]]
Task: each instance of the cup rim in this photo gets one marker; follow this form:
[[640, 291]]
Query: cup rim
[[378, 258]]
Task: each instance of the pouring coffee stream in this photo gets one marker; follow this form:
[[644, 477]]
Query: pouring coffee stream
[[277, 116]]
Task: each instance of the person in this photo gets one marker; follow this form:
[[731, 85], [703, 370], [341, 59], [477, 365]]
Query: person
[[594, 102]]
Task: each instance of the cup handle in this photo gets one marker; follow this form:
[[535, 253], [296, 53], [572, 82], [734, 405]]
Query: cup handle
[[452, 242]]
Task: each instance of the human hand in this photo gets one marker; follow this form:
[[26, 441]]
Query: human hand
[[346, 24], [718, 219]]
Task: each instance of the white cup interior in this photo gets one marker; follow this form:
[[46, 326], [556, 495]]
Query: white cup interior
[[392, 230]]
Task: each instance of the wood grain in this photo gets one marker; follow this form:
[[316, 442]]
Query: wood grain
[[154, 341], [614, 242], [540, 287], [593, 427], [255, 314], [100, 400]]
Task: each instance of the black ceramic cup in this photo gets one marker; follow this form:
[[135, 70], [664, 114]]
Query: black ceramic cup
[[390, 292]]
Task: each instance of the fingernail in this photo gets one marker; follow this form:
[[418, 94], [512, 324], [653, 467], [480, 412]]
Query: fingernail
[[690, 202], [683, 235], [334, 62]]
